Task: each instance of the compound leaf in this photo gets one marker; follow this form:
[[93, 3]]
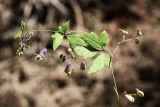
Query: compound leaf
[[74, 39], [23, 25], [82, 51], [103, 38], [18, 35], [91, 39], [57, 40], [100, 62], [64, 27]]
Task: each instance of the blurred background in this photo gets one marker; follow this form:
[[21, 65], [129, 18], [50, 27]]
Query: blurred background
[[27, 83]]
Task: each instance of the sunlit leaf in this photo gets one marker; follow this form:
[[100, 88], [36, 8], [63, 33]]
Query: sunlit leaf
[[74, 39], [64, 27], [82, 51], [23, 25], [91, 39], [57, 40], [103, 38], [18, 35], [100, 62]]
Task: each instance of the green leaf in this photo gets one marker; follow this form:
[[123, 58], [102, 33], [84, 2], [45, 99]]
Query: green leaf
[[103, 38], [82, 51], [64, 27], [57, 40], [75, 39], [100, 62], [91, 39], [18, 35], [108, 59], [23, 25]]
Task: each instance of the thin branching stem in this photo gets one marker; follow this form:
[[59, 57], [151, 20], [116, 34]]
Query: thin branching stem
[[43, 30], [112, 71]]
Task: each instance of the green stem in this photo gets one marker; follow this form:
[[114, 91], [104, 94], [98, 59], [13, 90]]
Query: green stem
[[126, 40], [43, 30], [115, 84]]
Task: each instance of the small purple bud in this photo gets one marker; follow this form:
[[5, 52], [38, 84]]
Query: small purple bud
[[68, 69], [83, 65], [43, 52]]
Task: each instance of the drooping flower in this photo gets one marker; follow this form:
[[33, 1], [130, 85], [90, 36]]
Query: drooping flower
[[41, 55], [68, 69], [21, 49], [26, 37], [43, 52], [83, 65]]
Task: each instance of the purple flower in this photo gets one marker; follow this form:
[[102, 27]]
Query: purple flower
[[43, 52], [68, 69], [25, 38]]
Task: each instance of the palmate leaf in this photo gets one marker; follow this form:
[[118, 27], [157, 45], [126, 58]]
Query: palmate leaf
[[100, 62], [84, 52], [91, 39], [103, 38], [57, 40]]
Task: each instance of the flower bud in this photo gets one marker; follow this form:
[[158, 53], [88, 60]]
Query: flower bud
[[21, 50], [62, 58], [136, 41], [68, 69], [130, 98], [38, 57], [139, 92], [123, 32], [82, 65], [139, 33], [43, 52], [20, 53], [69, 50], [71, 53]]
